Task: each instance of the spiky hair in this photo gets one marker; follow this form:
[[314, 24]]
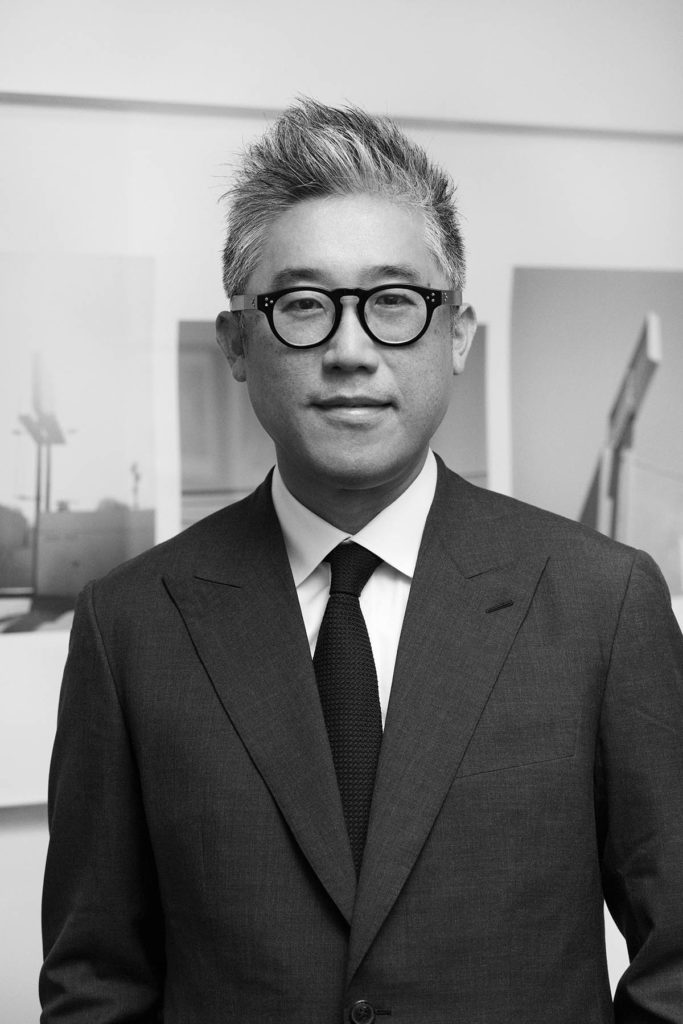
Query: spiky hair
[[313, 150]]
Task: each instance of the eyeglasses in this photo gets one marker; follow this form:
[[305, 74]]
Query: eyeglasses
[[396, 314]]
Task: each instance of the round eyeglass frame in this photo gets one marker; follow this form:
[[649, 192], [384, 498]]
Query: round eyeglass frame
[[265, 303]]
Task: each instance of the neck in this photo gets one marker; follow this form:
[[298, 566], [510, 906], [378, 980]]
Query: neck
[[349, 508]]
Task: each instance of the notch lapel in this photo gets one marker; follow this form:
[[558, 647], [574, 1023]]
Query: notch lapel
[[467, 601], [244, 619]]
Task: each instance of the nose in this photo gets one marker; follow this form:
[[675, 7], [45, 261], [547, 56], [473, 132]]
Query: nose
[[350, 348]]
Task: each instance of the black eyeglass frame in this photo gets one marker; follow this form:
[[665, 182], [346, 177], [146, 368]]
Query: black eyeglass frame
[[265, 303]]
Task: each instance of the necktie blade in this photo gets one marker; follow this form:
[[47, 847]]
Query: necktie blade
[[347, 684]]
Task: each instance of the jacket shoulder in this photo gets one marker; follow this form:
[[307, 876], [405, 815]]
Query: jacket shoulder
[[218, 538], [516, 529]]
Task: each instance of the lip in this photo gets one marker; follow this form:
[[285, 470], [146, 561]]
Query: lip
[[353, 411], [352, 402]]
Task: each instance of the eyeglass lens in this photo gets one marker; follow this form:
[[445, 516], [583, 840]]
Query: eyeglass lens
[[393, 315]]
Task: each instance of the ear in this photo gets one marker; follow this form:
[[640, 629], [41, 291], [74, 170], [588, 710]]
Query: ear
[[463, 332], [231, 341]]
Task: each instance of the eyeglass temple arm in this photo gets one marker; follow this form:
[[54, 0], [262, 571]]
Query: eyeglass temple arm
[[241, 302]]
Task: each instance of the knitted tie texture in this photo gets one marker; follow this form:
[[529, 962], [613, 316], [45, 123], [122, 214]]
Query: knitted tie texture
[[347, 683]]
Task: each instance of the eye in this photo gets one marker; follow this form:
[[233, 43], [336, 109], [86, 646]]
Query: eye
[[395, 299], [300, 304]]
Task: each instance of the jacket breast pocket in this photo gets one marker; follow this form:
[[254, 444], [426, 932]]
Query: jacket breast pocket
[[526, 721]]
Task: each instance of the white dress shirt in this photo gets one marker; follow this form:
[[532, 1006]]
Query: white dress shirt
[[394, 535]]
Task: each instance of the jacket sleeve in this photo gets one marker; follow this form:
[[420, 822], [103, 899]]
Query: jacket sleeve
[[102, 919], [640, 783]]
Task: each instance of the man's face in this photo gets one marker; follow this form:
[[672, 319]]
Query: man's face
[[350, 414]]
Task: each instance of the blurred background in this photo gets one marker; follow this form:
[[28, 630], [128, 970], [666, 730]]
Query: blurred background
[[561, 122]]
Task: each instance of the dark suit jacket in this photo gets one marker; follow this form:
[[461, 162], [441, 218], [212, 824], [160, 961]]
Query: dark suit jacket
[[532, 761]]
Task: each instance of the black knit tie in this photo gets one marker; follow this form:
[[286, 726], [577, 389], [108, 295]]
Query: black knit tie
[[347, 682]]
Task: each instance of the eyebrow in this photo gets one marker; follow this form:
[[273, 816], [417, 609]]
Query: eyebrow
[[294, 275], [299, 275]]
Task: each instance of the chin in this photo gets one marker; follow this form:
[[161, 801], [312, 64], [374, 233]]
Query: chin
[[364, 470]]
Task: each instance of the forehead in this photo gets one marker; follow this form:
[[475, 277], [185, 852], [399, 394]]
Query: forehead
[[345, 241]]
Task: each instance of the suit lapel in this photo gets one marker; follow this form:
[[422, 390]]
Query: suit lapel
[[244, 619], [467, 601]]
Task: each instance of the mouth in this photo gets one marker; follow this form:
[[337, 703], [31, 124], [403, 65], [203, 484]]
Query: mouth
[[358, 412], [352, 402]]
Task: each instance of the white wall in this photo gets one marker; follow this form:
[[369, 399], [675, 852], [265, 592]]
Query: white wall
[[598, 63], [23, 844], [469, 75]]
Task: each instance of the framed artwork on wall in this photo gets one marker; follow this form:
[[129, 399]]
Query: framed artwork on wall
[[76, 429], [580, 344]]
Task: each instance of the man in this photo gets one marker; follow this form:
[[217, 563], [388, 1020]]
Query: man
[[275, 800]]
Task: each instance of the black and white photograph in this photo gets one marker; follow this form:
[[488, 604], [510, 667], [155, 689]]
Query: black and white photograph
[[341, 512], [77, 498], [609, 345]]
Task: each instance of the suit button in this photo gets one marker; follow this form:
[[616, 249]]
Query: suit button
[[362, 1013]]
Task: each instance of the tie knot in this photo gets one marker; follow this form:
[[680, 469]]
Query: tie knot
[[352, 566]]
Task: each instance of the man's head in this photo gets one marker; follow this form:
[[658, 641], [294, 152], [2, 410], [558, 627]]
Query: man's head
[[330, 200]]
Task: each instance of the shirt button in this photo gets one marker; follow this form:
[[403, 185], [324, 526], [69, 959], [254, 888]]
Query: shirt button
[[362, 1013]]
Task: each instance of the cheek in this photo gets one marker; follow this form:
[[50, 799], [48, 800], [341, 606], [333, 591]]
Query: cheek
[[427, 386], [277, 386], [267, 402]]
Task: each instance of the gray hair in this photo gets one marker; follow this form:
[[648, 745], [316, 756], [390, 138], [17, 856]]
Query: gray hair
[[314, 150]]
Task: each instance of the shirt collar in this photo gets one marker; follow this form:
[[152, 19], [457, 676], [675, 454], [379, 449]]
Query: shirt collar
[[394, 535]]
